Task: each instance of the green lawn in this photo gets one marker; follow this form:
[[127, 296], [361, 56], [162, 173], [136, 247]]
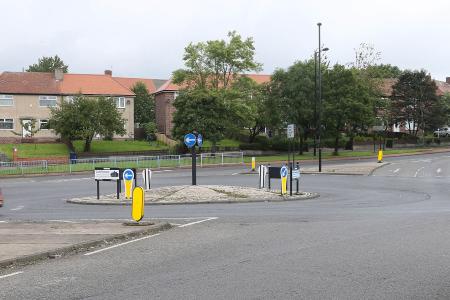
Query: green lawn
[[120, 146], [222, 143], [35, 150], [309, 155]]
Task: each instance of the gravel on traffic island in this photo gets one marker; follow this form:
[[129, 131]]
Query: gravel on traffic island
[[198, 194]]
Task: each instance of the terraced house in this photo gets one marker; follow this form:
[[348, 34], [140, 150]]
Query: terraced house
[[27, 96]]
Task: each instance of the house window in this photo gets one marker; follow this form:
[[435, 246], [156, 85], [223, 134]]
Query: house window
[[47, 101], [6, 100], [120, 102], [69, 99], [7, 124], [43, 124]]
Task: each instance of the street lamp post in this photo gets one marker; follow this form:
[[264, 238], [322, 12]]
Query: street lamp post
[[319, 96]]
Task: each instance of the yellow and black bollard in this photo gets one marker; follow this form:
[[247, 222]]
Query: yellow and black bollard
[[380, 156]]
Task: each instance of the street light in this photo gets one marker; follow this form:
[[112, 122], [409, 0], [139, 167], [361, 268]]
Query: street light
[[320, 98], [315, 98]]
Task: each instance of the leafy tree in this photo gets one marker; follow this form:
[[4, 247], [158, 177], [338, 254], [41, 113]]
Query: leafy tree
[[48, 64], [84, 118], [295, 89], [150, 130], [413, 100], [202, 111], [214, 64], [439, 113], [144, 104], [347, 103], [31, 127], [383, 71]]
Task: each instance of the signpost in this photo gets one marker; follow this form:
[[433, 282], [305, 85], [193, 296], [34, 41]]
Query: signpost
[[283, 174], [107, 174], [190, 140], [137, 204], [128, 177]]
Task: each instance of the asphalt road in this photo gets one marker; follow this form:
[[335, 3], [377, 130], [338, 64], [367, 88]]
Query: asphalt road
[[367, 237]]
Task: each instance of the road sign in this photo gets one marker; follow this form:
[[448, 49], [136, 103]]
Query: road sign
[[137, 204], [128, 176], [290, 131], [189, 140], [106, 174], [296, 174], [199, 140], [283, 171]]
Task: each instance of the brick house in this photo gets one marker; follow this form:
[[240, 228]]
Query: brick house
[[166, 95], [26, 96]]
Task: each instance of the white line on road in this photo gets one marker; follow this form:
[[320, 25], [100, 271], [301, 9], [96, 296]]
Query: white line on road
[[121, 244], [201, 221], [18, 207], [418, 170], [439, 170], [235, 174], [3, 221], [396, 170], [12, 274]]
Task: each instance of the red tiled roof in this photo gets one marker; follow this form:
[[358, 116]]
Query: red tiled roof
[[28, 83], [169, 86], [129, 83], [387, 84], [89, 84]]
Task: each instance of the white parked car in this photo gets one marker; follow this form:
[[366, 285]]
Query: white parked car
[[442, 132]]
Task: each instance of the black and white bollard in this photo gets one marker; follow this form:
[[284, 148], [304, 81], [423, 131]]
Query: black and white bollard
[[262, 170], [147, 178]]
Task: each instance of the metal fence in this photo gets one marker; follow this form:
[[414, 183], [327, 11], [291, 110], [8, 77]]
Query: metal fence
[[153, 162]]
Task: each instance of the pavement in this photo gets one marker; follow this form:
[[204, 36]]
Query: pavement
[[198, 194], [356, 168], [28, 242]]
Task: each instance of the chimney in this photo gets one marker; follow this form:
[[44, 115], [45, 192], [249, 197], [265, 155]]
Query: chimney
[[59, 74], [447, 79], [108, 72]]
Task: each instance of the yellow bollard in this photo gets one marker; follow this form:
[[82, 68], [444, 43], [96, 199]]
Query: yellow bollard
[[253, 163], [283, 185], [137, 205], [380, 156]]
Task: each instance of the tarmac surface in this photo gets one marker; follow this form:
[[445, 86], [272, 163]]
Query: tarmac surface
[[383, 236]]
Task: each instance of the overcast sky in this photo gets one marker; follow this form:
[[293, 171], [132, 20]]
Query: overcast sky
[[146, 38]]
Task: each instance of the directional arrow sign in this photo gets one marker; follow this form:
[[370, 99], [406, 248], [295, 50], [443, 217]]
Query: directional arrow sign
[[189, 140], [199, 140], [283, 171], [128, 174]]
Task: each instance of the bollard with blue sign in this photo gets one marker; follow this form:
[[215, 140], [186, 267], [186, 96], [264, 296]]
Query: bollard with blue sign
[[283, 174], [128, 177]]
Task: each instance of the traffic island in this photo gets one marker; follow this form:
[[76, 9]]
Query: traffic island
[[25, 243], [199, 194]]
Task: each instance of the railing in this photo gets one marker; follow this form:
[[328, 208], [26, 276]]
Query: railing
[[89, 164]]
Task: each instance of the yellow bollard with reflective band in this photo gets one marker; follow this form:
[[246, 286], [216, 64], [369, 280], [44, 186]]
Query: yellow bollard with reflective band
[[380, 156], [137, 204], [253, 163], [283, 185]]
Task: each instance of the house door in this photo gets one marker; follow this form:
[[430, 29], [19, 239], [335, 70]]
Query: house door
[[26, 128]]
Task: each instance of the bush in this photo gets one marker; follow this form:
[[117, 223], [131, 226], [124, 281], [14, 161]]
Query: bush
[[150, 131], [389, 143]]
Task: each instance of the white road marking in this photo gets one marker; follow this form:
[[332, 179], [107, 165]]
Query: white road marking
[[235, 174], [18, 207], [160, 171], [121, 244], [197, 222], [418, 170], [438, 170], [3, 221], [396, 170], [62, 221], [12, 274]]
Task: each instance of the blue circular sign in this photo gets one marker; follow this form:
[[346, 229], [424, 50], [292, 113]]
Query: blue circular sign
[[199, 140], [283, 171], [189, 140], [128, 174]]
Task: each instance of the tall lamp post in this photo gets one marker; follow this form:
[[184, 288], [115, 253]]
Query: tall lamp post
[[315, 99], [319, 95]]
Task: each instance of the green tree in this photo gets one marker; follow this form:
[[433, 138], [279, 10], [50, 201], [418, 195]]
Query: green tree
[[383, 71], [84, 118], [215, 64], [295, 89], [348, 105], [413, 100], [439, 114], [48, 64], [202, 111], [144, 104]]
